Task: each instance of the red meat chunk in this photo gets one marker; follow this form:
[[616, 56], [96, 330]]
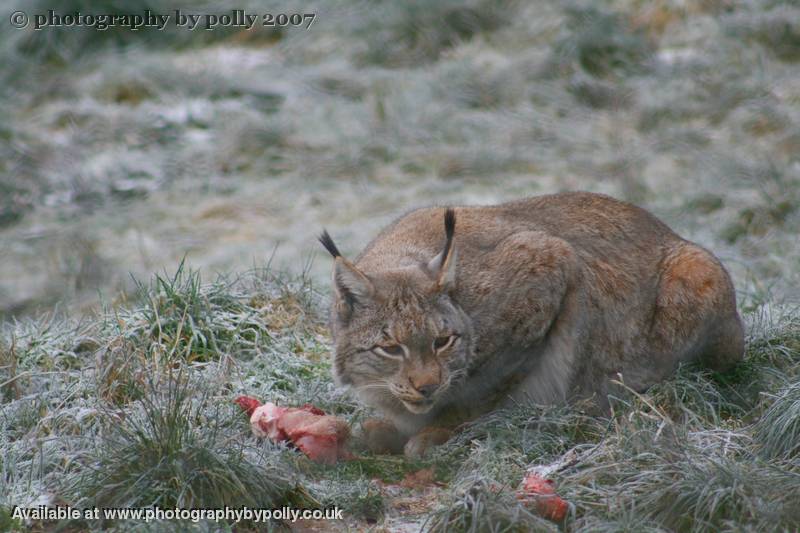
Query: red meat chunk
[[247, 403], [541, 493], [321, 437]]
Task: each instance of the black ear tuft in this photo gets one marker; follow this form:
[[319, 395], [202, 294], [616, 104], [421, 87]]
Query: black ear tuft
[[449, 230], [449, 222], [328, 243]]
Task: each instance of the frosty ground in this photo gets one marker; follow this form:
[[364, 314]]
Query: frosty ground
[[135, 408]]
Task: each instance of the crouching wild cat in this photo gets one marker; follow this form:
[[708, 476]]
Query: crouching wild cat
[[451, 312]]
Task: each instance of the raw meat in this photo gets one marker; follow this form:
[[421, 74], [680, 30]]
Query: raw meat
[[540, 491], [321, 437]]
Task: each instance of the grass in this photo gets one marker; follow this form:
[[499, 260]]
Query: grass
[[197, 325], [602, 44], [177, 448], [778, 429], [115, 412], [137, 417], [480, 504], [422, 30]]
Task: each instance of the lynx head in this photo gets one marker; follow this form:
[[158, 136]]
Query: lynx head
[[400, 338]]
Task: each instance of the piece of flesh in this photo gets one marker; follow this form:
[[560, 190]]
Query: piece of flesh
[[321, 437]]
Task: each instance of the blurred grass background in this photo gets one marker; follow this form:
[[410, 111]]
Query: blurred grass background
[[123, 151]]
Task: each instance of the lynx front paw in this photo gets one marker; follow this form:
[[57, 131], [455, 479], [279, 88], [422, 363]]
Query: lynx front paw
[[419, 445], [382, 437]]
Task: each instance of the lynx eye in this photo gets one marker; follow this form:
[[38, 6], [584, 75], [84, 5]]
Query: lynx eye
[[442, 343], [394, 351]]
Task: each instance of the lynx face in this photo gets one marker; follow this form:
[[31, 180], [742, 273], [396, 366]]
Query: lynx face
[[406, 343], [400, 339]]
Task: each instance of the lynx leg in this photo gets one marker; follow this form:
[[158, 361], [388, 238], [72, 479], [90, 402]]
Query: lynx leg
[[534, 316], [525, 282], [382, 437], [695, 313], [419, 445]]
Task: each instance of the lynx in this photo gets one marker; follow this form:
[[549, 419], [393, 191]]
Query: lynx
[[451, 312]]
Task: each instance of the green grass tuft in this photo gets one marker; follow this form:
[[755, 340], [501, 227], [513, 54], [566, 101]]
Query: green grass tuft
[[175, 448], [194, 321]]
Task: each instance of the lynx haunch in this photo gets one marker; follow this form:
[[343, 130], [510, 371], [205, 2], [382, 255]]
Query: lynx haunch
[[451, 312]]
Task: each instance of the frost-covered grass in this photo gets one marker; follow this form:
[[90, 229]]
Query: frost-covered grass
[[133, 407], [700, 452]]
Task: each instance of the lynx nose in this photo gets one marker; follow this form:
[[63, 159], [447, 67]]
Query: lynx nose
[[425, 379], [428, 390]]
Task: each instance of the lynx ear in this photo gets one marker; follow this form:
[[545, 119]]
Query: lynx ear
[[443, 266], [349, 283]]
